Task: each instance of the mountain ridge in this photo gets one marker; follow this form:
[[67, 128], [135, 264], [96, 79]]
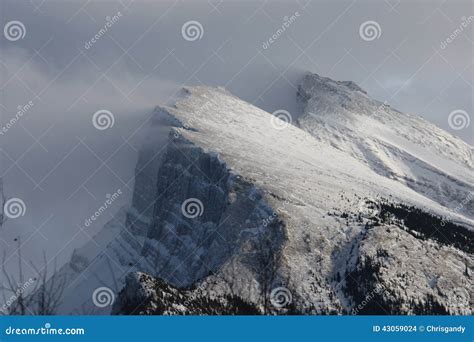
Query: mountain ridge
[[284, 208]]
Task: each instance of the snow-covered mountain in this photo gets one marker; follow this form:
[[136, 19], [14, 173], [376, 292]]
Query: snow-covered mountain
[[398, 146], [356, 208]]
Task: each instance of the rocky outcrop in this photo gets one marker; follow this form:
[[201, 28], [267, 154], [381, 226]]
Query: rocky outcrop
[[397, 273], [207, 220], [407, 261], [145, 295]]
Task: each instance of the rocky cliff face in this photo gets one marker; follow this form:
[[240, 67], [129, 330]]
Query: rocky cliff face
[[322, 218], [301, 217], [391, 277], [204, 215], [404, 265]]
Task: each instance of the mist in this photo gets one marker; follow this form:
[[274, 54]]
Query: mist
[[63, 166]]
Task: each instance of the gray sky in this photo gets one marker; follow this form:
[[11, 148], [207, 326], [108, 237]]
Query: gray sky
[[63, 167]]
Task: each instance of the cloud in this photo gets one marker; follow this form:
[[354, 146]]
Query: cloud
[[142, 60]]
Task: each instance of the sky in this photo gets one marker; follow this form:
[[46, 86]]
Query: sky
[[63, 61]]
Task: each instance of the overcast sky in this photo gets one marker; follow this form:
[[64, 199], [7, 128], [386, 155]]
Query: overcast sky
[[63, 167]]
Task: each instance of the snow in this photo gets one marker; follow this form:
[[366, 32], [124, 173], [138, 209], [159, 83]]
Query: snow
[[399, 146], [255, 179]]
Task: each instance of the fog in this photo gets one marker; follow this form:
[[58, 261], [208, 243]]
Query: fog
[[63, 167]]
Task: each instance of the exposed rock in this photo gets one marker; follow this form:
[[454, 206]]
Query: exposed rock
[[145, 295], [405, 275]]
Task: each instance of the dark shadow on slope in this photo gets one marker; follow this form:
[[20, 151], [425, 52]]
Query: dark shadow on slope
[[423, 225], [364, 283]]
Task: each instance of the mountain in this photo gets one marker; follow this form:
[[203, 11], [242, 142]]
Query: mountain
[[398, 146], [355, 208]]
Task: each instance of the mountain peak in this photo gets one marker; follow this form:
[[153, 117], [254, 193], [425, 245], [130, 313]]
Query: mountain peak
[[332, 84], [399, 146], [241, 204], [313, 83]]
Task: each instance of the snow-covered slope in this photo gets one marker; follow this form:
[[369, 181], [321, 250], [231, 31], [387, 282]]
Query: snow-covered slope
[[399, 146], [289, 211]]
